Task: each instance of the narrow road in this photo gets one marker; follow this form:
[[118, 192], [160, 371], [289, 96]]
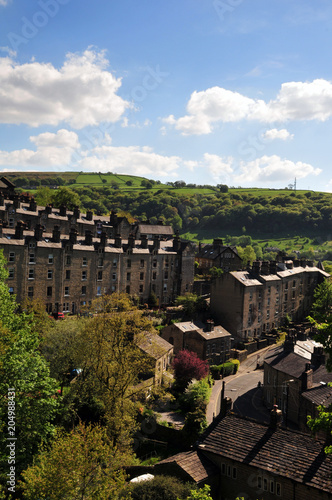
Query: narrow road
[[243, 388]]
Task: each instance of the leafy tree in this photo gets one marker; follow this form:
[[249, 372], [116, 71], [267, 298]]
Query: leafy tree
[[24, 376], [43, 195], [187, 366], [200, 494], [66, 196], [192, 304], [247, 255], [197, 395], [322, 306], [82, 464], [110, 361]]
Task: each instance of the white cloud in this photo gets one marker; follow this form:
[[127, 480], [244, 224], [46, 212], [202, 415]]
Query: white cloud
[[4, 2], [272, 169], [130, 160], [295, 101], [219, 168], [274, 133], [8, 50], [82, 92], [52, 150]]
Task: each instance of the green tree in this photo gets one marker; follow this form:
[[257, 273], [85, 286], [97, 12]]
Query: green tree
[[192, 304], [321, 309], [25, 382], [66, 196], [110, 362], [200, 494], [43, 196], [82, 464]]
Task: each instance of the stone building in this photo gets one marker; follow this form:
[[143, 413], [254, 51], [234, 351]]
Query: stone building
[[253, 302], [297, 380], [68, 271], [266, 461], [159, 352], [209, 342], [218, 255]]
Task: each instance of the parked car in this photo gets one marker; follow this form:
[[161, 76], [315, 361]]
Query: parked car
[[58, 315]]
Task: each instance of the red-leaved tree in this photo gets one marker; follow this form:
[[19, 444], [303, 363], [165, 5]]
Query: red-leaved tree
[[187, 366]]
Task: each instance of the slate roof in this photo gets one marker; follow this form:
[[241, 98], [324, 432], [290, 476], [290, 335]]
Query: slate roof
[[283, 452], [321, 395], [156, 229], [211, 252], [294, 365], [153, 345], [194, 463]]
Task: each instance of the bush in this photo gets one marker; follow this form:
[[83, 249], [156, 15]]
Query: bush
[[197, 395], [159, 488]]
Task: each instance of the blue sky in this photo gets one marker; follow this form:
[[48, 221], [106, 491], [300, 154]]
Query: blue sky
[[235, 92]]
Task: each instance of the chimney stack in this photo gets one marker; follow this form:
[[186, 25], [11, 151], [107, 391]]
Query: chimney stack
[[33, 205], [306, 377], [103, 239], [144, 241], [318, 356], [63, 210], [275, 417], [19, 230], [73, 236], [39, 232], [176, 242], [89, 215], [209, 325], [118, 241], [16, 201], [88, 237], [77, 213], [48, 209], [156, 242], [2, 199], [56, 234], [131, 241], [265, 267]]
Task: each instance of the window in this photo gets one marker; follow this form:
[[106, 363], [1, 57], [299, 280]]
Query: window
[[50, 258], [269, 289], [84, 261], [142, 263], [32, 244], [267, 314], [154, 275], [166, 263], [30, 291], [98, 290], [154, 263], [265, 484], [128, 263], [31, 275], [67, 275], [141, 289], [250, 295], [272, 486], [11, 222], [66, 291], [100, 262], [165, 287], [11, 290], [294, 283], [49, 274], [286, 286], [228, 470], [49, 291], [259, 306], [100, 276], [11, 273], [128, 289], [83, 291], [141, 276], [278, 489], [115, 263], [84, 275], [260, 294], [68, 260], [31, 258], [11, 257], [113, 288], [234, 473], [293, 294], [286, 297], [128, 276], [259, 482], [166, 275], [268, 301], [114, 276]]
